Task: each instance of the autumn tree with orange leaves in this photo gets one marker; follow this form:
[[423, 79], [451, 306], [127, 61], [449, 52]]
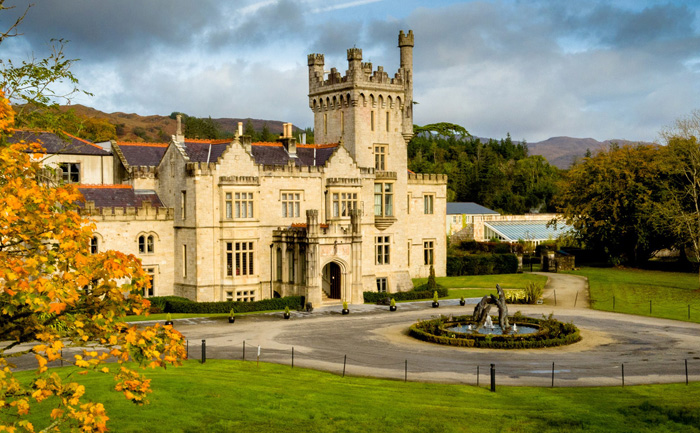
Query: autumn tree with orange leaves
[[58, 301]]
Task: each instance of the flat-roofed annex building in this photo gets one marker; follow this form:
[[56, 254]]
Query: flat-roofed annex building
[[217, 220]]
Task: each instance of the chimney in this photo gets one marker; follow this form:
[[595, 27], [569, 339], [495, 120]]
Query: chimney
[[289, 142], [239, 130], [178, 133]]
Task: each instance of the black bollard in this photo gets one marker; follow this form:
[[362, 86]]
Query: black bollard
[[345, 361], [244, 350], [204, 351], [493, 377], [686, 371], [623, 375], [552, 375], [292, 356], [477, 376], [405, 370]]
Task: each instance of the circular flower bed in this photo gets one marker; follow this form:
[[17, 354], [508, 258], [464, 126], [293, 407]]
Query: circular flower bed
[[551, 333]]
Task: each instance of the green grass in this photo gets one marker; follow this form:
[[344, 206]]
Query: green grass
[[235, 396], [162, 316], [468, 293], [670, 293], [507, 281]]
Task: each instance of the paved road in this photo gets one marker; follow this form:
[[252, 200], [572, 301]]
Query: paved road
[[371, 341]]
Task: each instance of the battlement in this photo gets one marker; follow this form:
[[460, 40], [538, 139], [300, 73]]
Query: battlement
[[406, 40], [316, 59], [145, 212], [239, 180], [427, 178], [200, 168], [143, 172]]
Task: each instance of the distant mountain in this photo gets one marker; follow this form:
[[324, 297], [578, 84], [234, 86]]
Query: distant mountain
[[563, 151], [134, 127]]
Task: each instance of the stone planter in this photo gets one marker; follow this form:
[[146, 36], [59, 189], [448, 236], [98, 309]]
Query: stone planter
[[287, 316], [231, 319], [392, 308], [462, 302], [436, 304], [345, 311]]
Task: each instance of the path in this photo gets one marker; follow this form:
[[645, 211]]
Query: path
[[569, 291]]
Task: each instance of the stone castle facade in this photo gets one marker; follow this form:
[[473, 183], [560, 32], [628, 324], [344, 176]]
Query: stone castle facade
[[216, 220]]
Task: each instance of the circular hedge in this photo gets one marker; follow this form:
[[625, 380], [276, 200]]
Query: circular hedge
[[551, 333]]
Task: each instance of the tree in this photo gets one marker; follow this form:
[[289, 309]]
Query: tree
[[681, 209], [55, 294], [266, 135], [249, 130], [610, 199]]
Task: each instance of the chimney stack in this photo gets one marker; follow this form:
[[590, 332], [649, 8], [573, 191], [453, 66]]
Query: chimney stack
[[288, 141]]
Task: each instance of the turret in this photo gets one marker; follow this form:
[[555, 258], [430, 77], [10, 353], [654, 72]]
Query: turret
[[355, 63], [406, 47], [315, 69]]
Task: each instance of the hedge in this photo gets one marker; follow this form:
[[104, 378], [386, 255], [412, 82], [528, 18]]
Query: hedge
[[175, 304], [375, 297], [552, 333], [481, 264]]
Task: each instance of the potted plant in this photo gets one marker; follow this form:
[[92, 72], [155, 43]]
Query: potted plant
[[435, 299], [231, 316], [168, 319], [345, 308], [287, 314], [462, 301], [392, 305]]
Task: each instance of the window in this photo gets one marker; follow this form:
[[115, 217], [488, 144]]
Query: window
[[343, 203], [184, 261], [383, 199], [428, 204], [146, 244], [408, 252], [292, 265], [151, 274], [243, 254], [71, 172], [291, 202], [381, 248], [245, 295], [342, 123], [94, 245], [381, 285], [380, 157], [387, 121], [408, 204], [279, 264], [183, 204], [229, 209], [244, 204], [428, 252], [302, 264], [371, 120], [325, 123], [229, 296]]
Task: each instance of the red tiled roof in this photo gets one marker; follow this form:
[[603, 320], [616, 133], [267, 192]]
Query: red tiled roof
[[136, 143]]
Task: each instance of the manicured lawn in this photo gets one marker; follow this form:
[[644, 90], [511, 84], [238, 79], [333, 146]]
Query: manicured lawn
[[670, 293], [235, 396], [507, 281], [162, 316], [469, 293]]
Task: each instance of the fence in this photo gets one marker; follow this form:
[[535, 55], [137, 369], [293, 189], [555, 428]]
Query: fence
[[386, 366]]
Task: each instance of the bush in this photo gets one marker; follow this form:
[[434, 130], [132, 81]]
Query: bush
[[418, 293], [552, 333], [481, 264], [174, 304], [475, 247]]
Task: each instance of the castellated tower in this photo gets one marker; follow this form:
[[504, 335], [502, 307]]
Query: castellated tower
[[365, 108]]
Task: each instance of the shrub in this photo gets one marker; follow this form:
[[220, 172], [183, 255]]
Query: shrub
[[552, 333], [187, 306], [533, 292], [432, 284], [482, 264], [417, 293]]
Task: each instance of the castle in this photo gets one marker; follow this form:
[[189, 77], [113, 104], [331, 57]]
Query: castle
[[216, 220]]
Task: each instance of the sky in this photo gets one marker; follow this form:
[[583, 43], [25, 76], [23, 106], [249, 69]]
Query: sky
[[532, 68]]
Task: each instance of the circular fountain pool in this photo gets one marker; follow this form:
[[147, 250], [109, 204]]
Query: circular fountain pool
[[495, 330]]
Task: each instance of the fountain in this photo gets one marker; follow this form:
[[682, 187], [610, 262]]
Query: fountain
[[481, 311]]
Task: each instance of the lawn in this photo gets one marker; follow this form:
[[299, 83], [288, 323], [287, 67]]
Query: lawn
[[671, 294], [507, 281], [235, 396]]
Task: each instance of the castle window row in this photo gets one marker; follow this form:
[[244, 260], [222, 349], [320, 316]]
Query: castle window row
[[239, 205], [146, 244], [239, 256]]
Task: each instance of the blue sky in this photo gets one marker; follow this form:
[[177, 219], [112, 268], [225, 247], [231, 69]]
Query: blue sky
[[536, 69]]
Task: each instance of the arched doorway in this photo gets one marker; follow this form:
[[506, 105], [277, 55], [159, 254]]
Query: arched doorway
[[332, 280]]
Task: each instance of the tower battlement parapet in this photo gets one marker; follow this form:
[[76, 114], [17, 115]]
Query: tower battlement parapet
[[406, 39]]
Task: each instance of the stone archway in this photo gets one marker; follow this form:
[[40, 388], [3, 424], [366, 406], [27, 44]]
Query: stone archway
[[333, 280]]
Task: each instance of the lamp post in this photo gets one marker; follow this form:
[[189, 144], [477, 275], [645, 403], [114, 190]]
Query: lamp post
[[271, 292]]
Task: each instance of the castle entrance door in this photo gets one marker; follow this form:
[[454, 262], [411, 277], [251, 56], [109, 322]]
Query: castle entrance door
[[335, 275]]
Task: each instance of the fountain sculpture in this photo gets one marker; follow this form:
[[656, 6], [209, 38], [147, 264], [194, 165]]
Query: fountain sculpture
[[481, 311]]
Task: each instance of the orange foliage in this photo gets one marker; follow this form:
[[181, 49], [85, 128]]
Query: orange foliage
[[54, 293]]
